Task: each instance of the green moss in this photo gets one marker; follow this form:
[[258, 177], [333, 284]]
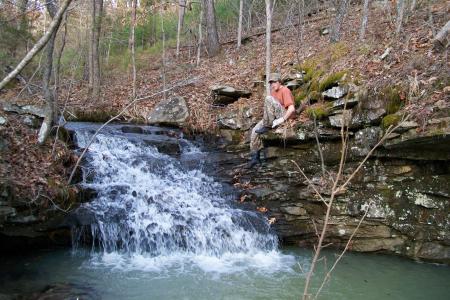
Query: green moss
[[331, 80], [393, 99], [389, 120], [315, 96], [319, 111], [300, 97], [339, 50]]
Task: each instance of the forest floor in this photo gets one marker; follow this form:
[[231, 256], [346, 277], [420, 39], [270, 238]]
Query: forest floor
[[412, 65]]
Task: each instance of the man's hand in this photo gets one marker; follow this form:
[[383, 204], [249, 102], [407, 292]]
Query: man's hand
[[277, 122]]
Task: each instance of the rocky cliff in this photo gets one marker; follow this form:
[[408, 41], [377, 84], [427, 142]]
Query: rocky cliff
[[405, 185]]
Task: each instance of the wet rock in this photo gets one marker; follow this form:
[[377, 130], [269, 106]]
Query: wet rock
[[6, 211], [237, 119], [294, 210], [224, 95], [24, 109], [66, 291], [435, 252], [172, 112], [336, 92], [132, 129]]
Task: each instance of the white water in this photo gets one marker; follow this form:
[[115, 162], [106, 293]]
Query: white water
[[154, 213]]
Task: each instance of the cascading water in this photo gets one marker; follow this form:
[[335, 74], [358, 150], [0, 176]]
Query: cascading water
[[154, 206]]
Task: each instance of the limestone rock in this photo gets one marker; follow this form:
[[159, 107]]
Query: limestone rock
[[172, 112], [336, 92], [340, 103], [25, 109], [435, 252], [342, 119], [224, 95], [365, 140], [238, 119], [368, 112]]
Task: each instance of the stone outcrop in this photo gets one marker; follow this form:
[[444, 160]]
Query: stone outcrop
[[172, 112], [404, 186], [224, 95]]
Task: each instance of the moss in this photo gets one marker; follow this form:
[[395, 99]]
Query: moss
[[393, 99], [319, 111], [330, 81], [315, 96], [300, 97], [389, 120], [339, 50]]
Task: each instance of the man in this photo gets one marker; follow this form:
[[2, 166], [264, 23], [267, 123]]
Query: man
[[278, 107]]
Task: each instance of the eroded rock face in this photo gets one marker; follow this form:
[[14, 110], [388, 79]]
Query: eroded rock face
[[172, 112], [404, 187], [237, 119]]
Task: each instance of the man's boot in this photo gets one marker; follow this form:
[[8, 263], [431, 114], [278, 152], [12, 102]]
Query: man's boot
[[255, 159]]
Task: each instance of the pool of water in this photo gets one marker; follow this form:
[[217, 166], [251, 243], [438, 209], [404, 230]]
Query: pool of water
[[269, 275]]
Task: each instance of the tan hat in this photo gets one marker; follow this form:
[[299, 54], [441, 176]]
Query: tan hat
[[274, 77]]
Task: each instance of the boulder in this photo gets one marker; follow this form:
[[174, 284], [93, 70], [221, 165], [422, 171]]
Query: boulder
[[224, 95], [340, 103], [293, 80], [238, 119], [341, 119], [171, 112], [368, 112], [24, 109], [336, 92]]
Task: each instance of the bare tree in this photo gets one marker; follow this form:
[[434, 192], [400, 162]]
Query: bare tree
[[181, 10], [341, 10], [49, 96], [268, 43], [362, 32], [400, 12], [133, 44], [239, 38], [94, 51], [54, 25], [200, 37], [212, 37], [338, 185]]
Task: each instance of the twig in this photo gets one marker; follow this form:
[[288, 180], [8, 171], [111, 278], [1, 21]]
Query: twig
[[310, 183]]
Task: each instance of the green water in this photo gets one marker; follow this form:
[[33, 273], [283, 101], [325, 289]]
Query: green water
[[358, 276]]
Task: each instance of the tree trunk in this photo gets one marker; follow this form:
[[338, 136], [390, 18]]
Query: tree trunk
[[362, 32], [268, 43], [241, 8], [212, 37], [200, 37], [38, 46], [163, 52], [441, 40], [341, 11], [181, 10], [94, 57], [133, 45], [400, 11], [49, 96]]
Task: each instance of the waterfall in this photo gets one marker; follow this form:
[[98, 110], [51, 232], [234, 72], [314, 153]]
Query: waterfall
[[151, 204]]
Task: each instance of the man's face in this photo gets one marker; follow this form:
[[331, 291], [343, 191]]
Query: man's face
[[275, 85]]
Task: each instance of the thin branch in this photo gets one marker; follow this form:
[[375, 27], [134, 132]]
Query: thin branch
[[310, 183]]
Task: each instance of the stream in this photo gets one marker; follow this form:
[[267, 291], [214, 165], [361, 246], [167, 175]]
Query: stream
[[161, 225]]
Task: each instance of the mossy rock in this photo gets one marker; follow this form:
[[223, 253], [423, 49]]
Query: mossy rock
[[331, 81], [320, 111], [389, 120], [393, 99]]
